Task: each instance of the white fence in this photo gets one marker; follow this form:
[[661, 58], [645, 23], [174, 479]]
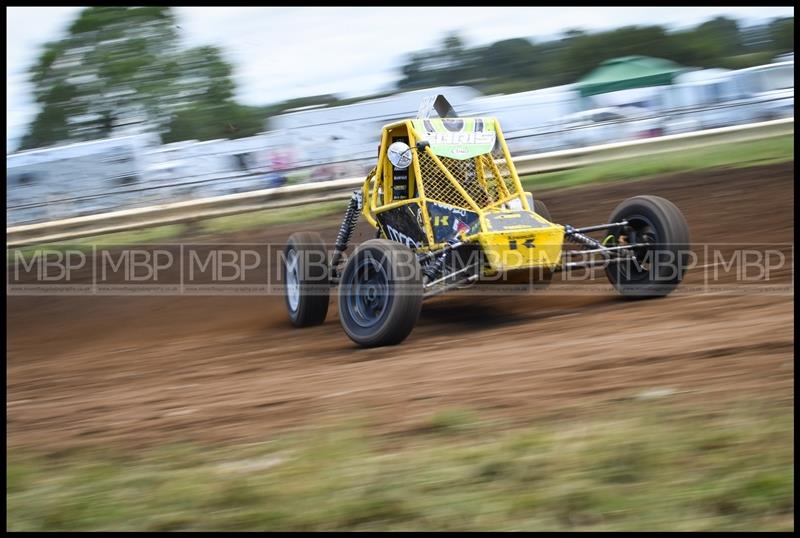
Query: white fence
[[218, 206], [64, 187]]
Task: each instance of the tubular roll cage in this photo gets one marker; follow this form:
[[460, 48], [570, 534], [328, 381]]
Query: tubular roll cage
[[372, 188], [377, 196]]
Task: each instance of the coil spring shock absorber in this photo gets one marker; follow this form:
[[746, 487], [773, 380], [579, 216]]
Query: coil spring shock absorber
[[346, 230], [576, 237], [434, 268]]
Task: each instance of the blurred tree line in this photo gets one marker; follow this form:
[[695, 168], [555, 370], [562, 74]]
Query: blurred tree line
[[122, 66], [519, 64]]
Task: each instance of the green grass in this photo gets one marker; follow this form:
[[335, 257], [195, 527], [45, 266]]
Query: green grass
[[84, 244], [219, 225], [736, 155], [261, 219], [643, 466]]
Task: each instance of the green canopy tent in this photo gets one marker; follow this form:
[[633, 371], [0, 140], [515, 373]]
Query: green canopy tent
[[628, 72]]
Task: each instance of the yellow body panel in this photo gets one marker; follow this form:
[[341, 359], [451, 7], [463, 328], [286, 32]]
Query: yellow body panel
[[509, 250]]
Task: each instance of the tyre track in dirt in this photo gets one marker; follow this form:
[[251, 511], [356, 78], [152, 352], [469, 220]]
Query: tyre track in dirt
[[148, 370]]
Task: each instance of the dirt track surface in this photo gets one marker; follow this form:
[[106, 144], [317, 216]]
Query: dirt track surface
[[147, 370]]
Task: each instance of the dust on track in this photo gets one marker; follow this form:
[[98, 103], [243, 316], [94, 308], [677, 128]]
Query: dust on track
[[137, 371]]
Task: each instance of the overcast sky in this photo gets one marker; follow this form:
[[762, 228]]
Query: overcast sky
[[280, 53]]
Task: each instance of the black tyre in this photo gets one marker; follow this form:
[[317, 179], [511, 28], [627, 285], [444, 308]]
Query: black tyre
[[307, 288], [660, 225], [380, 293], [541, 209]]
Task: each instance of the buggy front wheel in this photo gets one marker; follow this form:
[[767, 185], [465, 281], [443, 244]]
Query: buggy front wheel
[[380, 293], [661, 234]]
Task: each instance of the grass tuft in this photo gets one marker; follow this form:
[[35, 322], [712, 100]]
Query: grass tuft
[[642, 467]]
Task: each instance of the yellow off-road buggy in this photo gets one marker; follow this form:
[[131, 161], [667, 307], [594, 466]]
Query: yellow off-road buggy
[[450, 211]]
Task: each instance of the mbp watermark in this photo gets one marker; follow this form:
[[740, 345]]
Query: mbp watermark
[[225, 269], [49, 271], [267, 269], [748, 265], [134, 269], [48, 265]]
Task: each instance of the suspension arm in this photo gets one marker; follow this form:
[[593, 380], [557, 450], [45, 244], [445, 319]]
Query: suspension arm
[[573, 234], [597, 227], [604, 249]]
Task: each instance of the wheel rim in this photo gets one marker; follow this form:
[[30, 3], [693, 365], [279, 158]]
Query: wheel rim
[[292, 280], [639, 230], [368, 295]]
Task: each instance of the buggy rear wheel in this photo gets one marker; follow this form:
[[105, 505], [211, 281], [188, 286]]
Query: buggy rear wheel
[[380, 293], [307, 288], [541, 209], [662, 261]]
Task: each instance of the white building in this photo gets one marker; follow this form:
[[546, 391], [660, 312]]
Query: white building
[[318, 136], [529, 119], [93, 176]]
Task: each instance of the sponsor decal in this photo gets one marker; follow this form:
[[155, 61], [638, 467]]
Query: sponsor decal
[[512, 221], [404, 221], [400, 237], [448, 221], [453, 124], [512, 244], [460, 227], [461, 138], [399, 175], [451, 209]]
